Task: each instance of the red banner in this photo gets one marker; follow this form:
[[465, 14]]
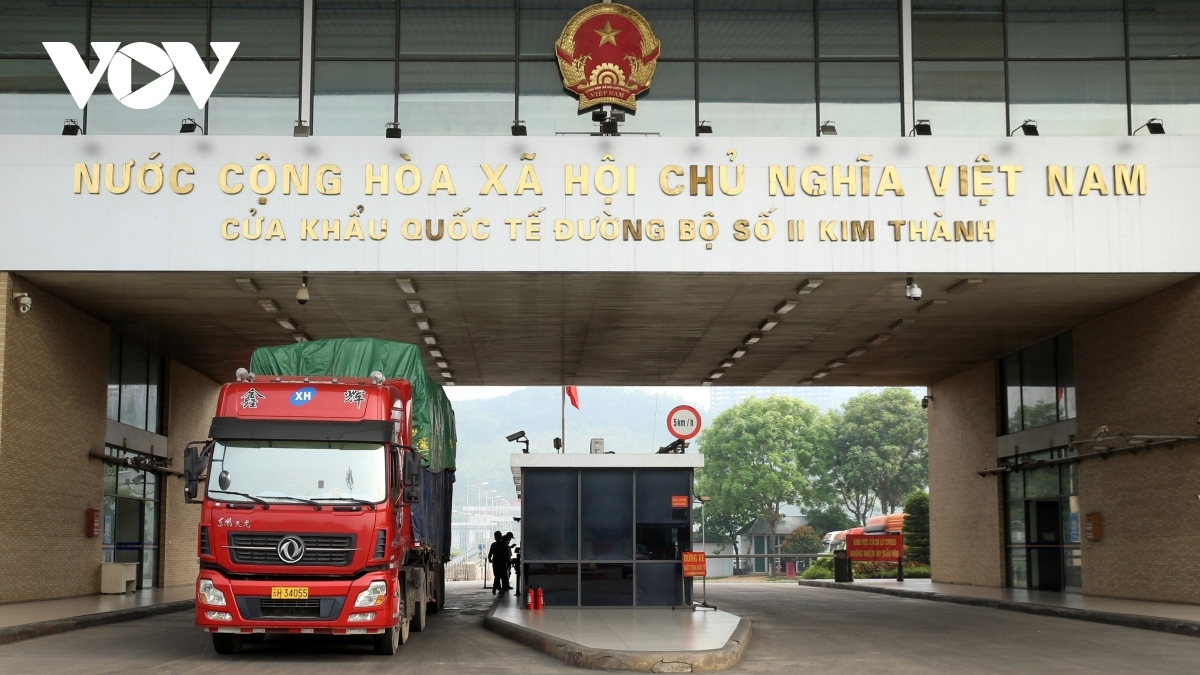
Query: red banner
[[875, 547], [694, 564]]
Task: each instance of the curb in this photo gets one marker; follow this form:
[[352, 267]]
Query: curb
[[580, 656], [53, 626], [1160, 624]]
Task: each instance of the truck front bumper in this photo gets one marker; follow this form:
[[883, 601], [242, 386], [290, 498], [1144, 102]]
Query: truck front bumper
[[328, 609]]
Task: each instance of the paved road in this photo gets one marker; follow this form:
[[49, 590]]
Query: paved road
[[795, 629]]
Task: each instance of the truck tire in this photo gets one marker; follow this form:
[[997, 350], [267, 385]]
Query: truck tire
[[388, 642], [226, 643], [421, 589], [439, 599]]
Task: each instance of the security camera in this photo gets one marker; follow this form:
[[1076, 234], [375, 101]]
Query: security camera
[[24, 302], [512, 438], [302, 294], [912, 291]]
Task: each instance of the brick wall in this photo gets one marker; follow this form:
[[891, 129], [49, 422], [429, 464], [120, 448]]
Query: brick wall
[[55, 369], [192, 402], [1138, 370], [965, 514]]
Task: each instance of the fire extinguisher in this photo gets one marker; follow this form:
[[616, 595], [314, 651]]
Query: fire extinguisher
[[538, 599], [528, 598]]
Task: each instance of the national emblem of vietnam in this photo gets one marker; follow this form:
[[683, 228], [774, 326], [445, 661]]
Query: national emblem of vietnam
[[607, 54]]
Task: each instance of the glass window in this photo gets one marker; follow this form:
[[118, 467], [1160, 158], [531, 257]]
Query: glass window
[[542, 23], [1064, 350], [110, 478], [33, 98], [659, 585], [606, 584], [1017, 570], [150, 550], [1041, 482], [1070, 514], [960, 98], [1016, 522], [606, 532], [1081, 98], [107, 115], [547, 109], [114, 375], [353, 98], [862, 99], [662, 531], [355, 29], [1169, 90], [849, 28], [1073, 569], [263, 27], [1038, 400], [462, 27], [958, 28], [545, 106], [456, 98], [554, 535], [1016, 485], [1010, 372], [154, 378], [134, 360], [318, 470], [1164, 28], [256, 98], [25, 24], [758, 99], [670, 108], [559, 581], [1065, 28], [1070, 479], [153, 21], [756, 29], [671, 21]]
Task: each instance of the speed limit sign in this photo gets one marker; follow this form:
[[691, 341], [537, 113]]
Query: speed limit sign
[[683, 422]]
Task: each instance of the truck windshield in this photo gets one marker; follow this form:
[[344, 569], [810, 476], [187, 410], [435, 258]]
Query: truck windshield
[[304, 469]]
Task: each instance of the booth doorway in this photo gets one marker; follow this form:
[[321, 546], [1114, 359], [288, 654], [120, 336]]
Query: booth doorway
[[1043, 538], [131, 517]]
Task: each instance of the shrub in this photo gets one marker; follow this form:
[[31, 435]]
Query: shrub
[[802, 540], [879, 570], [815, 572], [916, 527]]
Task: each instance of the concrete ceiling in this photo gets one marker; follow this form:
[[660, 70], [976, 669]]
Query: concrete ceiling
[[612, 329]]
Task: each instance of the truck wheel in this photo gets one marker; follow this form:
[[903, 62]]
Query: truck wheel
[[226, 643], [422, 604], [388, 642]]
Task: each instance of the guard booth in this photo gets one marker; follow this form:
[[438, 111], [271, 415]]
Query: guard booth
[[606, 530]]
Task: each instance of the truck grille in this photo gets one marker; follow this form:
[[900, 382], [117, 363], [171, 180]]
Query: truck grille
[[319, 549], [290, 609]]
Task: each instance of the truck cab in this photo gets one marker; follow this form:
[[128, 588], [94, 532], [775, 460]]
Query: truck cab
[[307, 489]]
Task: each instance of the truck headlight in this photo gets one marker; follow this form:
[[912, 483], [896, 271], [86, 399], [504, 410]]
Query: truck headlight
[[209, 594], [374, 596]]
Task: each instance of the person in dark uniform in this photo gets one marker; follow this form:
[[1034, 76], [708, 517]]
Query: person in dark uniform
[[508, 546], [498, 556], [517, 568]]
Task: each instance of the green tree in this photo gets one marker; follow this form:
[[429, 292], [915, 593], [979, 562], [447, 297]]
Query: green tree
[[802, 540], [916, 527], [875, 452], [828, 519], [755, 459]]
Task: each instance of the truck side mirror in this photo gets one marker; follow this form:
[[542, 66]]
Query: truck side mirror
[[412, 469], [196, 458], [412, 494]]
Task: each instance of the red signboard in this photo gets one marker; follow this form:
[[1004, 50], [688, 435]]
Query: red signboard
[[694, 564], [875, 547], [680, 501]]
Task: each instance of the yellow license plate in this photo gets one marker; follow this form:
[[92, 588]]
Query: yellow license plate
[[289, 593]]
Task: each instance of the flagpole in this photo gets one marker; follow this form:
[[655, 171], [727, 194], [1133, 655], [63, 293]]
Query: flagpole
[[564, 421]]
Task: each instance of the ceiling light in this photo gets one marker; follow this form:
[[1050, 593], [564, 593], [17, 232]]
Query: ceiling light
[[727, 363], [902, 323], [856, 352], [879, 339], [705, 127], [392, 130], [769, 323], [706, 383], [449, 383], [435, 353], [415, 306], [932, 304], [1029, 127], [246, 284], [965, 284], [443, 365], [429, 338], [809, 285], [299, 337], [447, 374], [836, 363], [786, 306], [820, 374], [828, 128], [518, 128], [1155, 126], [716, 374], [806, 382], [269, 306], [922, 128], [71, 128], [407, 286], [752, 338], [286, 323], [737, 353], [301, 130], [422, 322], [189, 126]]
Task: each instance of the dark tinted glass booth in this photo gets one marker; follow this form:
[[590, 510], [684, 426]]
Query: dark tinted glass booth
[[598, 532]]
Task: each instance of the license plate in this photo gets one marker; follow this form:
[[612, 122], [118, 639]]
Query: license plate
[[289, 593]]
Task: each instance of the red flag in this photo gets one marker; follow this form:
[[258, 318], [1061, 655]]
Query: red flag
[[573, 394]]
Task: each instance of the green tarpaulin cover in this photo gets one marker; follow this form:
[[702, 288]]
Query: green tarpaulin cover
[[432, 415]]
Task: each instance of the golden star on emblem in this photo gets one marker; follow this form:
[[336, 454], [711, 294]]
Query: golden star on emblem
[[608, 35]]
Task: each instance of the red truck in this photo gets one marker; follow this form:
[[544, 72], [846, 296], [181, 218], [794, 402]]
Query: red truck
[[318, 516]]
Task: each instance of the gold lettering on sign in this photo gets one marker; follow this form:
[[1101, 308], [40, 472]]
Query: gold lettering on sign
[[255, 184], [696, 179], [295, 179], [940, 185], [656, 230], [90, 179], [329, 181], [441, 180], [814, 187], [223, 179], [889, 181], [1010, 172], [372, 179], [492, 177], [612, 184], [572, 179], [664, 179], [1127, 182], [407, 179], [1056, 181], [528, 180], [177, 186], [1093, 181], [779, 181], [849, 180]]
